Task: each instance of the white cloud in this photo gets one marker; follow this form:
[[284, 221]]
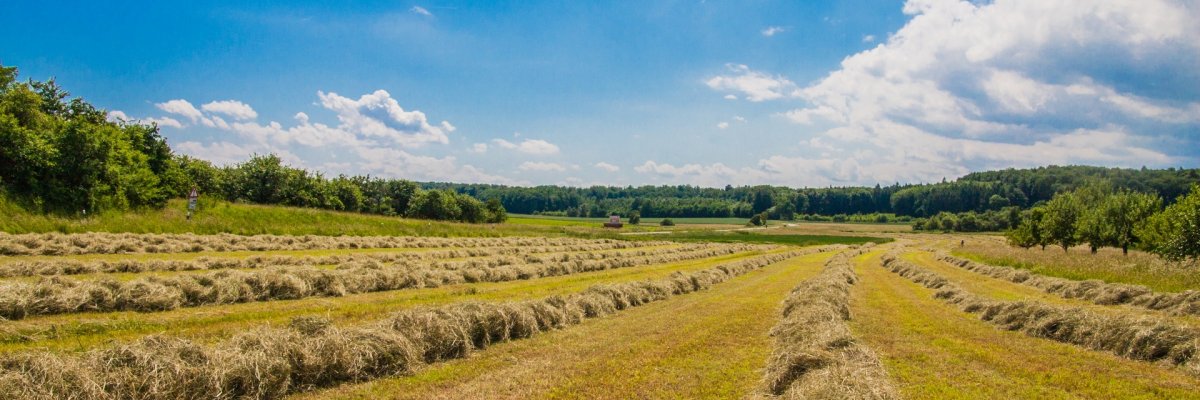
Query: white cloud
[[753, 85], [528, 146], [181, 107], [730, 97], [541, 166], [722, 125], [232, 108], [479, 148], [606, 167], [772, 31], [868, 39], [420, 11], [967, 86], [739, 118], [378, 115], [120, 116]]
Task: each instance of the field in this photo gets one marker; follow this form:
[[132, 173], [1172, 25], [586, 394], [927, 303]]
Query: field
[[420, 309]]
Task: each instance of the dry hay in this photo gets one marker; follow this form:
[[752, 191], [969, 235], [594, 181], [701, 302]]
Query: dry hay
[[60, 266], [57, 295], [310, 353], [1144, 337], [815, 354], [57, 244], [1096, 291]]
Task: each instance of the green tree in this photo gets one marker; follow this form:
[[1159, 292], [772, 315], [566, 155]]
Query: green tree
[[1124, 212], [635, 217], [496, 211], [1174, 233], [1061, 220]]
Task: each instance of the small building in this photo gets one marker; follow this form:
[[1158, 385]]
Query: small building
[[614, 221]]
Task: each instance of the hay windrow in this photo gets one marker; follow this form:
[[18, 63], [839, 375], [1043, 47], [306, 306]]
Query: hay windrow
[[526, 254], [57, 244], [272, 362], [1096, 291], [815, 354], [57, 295], [1135, 337]]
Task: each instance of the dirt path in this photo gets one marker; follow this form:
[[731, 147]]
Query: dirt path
[[933, 350], [710, 344]]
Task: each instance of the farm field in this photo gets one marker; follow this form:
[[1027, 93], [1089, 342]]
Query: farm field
[[791, 313]]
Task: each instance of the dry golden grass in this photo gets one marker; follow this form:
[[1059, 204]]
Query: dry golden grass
[[815, 355]]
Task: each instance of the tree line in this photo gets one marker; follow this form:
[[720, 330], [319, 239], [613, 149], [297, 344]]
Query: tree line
[[980, 201], [1100, 216], [64, 156]]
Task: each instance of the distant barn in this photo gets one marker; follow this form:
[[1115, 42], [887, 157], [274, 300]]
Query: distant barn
[[614, 221]]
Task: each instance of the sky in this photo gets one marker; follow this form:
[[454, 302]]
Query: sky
[[580, 93]]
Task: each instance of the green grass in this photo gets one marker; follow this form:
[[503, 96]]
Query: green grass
[[246, 219], [751, 237]]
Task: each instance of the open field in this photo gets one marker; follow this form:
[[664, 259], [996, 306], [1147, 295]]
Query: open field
[[789, 312]]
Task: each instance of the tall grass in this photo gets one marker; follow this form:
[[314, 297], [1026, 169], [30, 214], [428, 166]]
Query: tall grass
[[272, 362], [1137, 337], [1109, 265], [816, 355]]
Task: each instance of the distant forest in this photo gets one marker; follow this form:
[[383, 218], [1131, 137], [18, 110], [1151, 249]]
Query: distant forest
[[978, 192]]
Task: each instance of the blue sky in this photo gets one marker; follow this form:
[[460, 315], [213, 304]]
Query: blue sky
[[696, 92]]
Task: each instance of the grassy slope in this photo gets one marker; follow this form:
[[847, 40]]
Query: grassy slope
[[74, 332], [933, 350], [709, 344], [246, 219]]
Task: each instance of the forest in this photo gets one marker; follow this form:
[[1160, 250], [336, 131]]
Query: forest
[[989, 194]]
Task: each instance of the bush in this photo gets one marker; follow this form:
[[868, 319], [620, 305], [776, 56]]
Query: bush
[[666, 222]]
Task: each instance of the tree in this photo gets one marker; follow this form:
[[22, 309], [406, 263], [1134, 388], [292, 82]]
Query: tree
[[1124, 212], [635, 217], [666, 222], [1060, 223], [496, 212], [1174, 233]]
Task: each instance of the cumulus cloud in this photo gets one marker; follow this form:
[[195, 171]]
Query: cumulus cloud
[[373, 134], [772, 31], [528, 146], [182, 108], [722, 125], [120, 116], [753, 85], [479, 148], [603, 166], [967, 86], [232, 108], [541, 166], [868, 39]]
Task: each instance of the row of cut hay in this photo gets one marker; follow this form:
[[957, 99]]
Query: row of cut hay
[[114, 243], [270, 363], [815, 355], [1145, 338], [1094, 290], [57, 295], [64, 266]]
